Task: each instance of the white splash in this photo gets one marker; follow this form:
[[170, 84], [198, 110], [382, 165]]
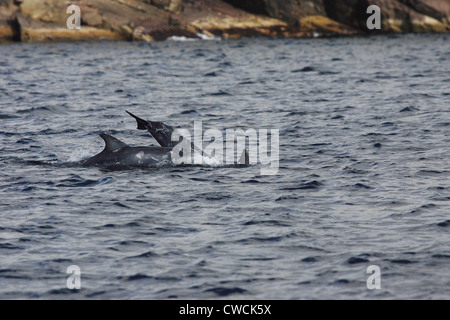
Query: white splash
[[180, 38], [206, 37], [201, 36], [207, 161], [203, 160], [79, 154]]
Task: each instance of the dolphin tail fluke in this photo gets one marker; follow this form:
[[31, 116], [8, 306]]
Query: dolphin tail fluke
[[244, 159], [141, 123], [160, 131]]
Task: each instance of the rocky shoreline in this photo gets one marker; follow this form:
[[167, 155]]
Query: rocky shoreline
[[152, 20]]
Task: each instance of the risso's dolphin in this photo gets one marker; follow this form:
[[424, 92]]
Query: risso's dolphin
[[163, 134], [117, 154]]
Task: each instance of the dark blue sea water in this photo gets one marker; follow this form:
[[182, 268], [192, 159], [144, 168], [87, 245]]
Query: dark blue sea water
[[363, 175]]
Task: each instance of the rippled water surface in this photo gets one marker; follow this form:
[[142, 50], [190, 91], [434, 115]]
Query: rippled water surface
[[363, 178]]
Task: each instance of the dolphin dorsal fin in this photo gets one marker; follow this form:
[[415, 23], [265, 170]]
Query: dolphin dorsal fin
[[112, 143], [244, 159]]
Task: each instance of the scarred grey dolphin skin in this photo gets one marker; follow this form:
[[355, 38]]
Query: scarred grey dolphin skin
[[118, 154]]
